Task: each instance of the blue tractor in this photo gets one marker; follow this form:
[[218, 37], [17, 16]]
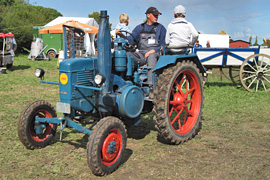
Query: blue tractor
[[111, 93]]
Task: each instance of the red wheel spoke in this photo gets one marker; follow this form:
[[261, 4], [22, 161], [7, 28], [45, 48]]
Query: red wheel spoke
[[191, 91], [171, 112], [177, 116], [179, 123], [185, 117], [179, 86]]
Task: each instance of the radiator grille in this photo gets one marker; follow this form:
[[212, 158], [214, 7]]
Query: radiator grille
[[85, 78]]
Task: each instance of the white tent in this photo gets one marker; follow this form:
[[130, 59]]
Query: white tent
[[60, 19], [88, 38]]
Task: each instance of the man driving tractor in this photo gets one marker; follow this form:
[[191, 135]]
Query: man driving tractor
[[151, 35]]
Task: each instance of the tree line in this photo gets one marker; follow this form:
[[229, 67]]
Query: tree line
[[19, 17]]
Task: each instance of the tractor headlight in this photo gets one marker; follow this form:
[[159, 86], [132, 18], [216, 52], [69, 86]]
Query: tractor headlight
[[39, 73], [99, 79]]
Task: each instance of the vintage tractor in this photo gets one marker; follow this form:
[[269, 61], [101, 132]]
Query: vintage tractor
[[111, 92]]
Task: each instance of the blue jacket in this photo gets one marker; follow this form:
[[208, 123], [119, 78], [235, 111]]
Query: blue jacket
[[160, 34]]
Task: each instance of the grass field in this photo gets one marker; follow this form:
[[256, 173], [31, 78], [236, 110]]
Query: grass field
[[233, 143]]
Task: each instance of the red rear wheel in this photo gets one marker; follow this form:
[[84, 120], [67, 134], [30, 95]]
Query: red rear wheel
[[179, 102], [184, 102]]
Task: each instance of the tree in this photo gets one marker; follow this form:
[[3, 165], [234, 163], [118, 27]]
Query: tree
[[222, 32], [250, 40], [20, 17], [96, 16], [6, 2], [256, 42], [266, 42]]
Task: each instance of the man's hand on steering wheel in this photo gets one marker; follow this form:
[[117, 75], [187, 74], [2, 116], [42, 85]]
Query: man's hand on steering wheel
[[120, 33]]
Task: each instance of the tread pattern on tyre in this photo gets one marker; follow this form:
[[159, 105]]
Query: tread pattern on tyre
[[160, 104], [23, 124], [92, 147]]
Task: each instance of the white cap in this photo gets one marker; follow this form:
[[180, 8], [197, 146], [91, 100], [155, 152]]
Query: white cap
[[180, 10]]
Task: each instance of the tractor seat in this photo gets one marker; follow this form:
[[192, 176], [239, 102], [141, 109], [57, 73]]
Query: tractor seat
[[176, 50]]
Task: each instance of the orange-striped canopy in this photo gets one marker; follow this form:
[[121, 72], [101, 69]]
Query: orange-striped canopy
[[58, 28]]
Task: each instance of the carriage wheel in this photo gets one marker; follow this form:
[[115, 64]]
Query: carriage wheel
[[255, 73], [234, 75]]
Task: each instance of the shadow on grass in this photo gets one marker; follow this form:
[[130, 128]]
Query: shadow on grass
[[20, 67], [145, 127], [135, 132], [219, 84], [127, 155], [79, 143]]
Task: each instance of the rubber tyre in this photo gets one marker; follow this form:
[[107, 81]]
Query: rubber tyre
[[51, 54], [170, 103], [108, 130], [26, 125]]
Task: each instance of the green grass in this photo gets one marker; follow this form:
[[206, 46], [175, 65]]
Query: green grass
[[233, 142]]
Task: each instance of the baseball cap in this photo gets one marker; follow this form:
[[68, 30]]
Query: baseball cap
[[153, 10], [180, 10]]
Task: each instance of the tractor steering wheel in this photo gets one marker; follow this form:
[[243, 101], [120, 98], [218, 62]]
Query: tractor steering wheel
[[128, 47]]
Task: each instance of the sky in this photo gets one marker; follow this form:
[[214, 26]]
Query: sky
[[239, 18]]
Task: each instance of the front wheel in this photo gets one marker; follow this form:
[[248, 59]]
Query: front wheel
[[27, 128], [178, 102], [106, 146]]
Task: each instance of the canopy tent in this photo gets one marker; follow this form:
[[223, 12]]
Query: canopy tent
[[3, 35], [58, 28], [61, 19], [89, 38]]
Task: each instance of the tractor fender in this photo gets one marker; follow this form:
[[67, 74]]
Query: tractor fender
[[167, 60]]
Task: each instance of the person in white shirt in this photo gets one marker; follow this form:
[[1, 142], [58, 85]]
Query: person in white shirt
[[180, 32]]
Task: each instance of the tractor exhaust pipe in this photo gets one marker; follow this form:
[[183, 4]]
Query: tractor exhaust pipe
[[104, 50], [106, 101]]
